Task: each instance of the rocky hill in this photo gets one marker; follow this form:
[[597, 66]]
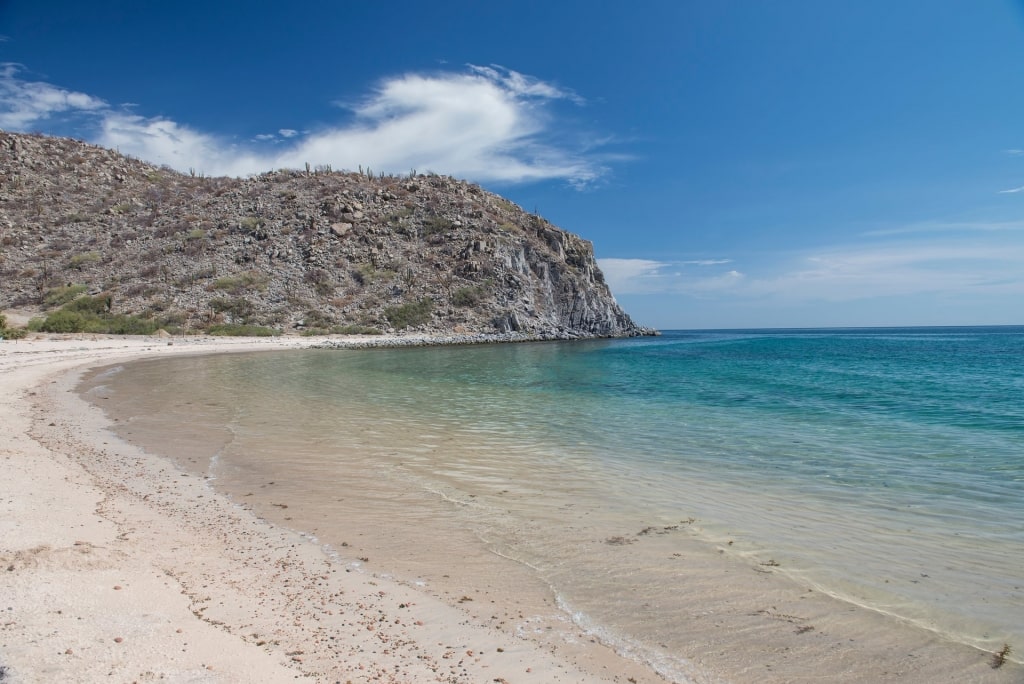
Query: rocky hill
[[298, 249]]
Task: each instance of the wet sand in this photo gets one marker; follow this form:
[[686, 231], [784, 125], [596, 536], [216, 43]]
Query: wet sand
[[119, 565], [122, 563]]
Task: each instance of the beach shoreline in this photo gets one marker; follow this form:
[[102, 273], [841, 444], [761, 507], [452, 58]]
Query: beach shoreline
[[121, 562], [118, 564]]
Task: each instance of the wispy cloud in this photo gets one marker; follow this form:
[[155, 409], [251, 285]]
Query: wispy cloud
[[24, 104], [485, 123], [522, 85], [860, 272], [946, 227], [989, 264], [708, 262], [632, 276], [1012, 190], [647, 276], [1015, 152]]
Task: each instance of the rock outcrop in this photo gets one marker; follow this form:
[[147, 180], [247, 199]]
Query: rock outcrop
[[311, 248]]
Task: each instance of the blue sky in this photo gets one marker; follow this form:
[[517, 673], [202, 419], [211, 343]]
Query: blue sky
[[741, 163]]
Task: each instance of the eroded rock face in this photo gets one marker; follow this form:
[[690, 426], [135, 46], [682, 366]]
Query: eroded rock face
[[290, 249]]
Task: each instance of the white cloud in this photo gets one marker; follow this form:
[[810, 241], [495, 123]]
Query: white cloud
[[986, 264], [708, 262], [646, 276], [889, 270], [487, 124], [1015, 152], [1012, 190], [522, 85], [728, 281], [163, 141], [632, 276], [24, 104]]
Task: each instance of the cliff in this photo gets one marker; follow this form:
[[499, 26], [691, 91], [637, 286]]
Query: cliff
[[291, 249]]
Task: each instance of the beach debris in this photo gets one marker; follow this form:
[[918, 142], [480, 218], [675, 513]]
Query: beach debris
[[1000, 656], [619, 541], [657, 530]]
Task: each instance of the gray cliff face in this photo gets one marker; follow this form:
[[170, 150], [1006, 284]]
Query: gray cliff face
[[289, 249]]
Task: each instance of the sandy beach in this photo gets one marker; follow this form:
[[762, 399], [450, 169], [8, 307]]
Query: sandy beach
[[119, 566]]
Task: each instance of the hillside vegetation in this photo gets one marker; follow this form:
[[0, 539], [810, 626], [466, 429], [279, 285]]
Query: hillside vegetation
[[99, 241]]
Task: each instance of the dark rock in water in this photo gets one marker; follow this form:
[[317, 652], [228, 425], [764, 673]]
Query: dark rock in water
[[324, 251]]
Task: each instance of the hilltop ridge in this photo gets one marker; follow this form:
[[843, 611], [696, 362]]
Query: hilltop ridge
[[313, 249]]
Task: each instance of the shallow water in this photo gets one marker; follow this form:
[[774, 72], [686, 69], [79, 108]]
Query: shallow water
[[882, 467]]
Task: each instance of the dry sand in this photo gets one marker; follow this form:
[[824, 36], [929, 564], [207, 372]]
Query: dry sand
[[118, 566]]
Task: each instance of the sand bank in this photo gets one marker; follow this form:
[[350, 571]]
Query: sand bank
[[119, 566]]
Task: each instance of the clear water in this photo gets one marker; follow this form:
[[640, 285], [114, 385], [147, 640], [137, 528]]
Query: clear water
[[884, 467]]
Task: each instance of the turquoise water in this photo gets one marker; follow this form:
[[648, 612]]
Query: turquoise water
[[884, 467]]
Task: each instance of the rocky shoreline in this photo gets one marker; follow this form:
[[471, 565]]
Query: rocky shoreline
[[434, 340]]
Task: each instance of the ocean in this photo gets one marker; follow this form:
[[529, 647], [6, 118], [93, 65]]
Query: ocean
[[652, 485]]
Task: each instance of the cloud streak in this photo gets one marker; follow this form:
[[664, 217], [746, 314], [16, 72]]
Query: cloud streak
[[24, 104], [647, 276], [947, 268], [486, 123], [708, 262], [989, 264], [939, 227]]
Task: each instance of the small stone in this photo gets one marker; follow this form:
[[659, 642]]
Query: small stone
[[118, 640]]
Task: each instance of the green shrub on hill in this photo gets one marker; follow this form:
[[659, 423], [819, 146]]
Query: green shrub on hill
[[235, 330], [468, 296], [64, 322], [92, 315], [98, 305], [79, 261], [237, 284], [410, 314], [60, 296], [10, 333]]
